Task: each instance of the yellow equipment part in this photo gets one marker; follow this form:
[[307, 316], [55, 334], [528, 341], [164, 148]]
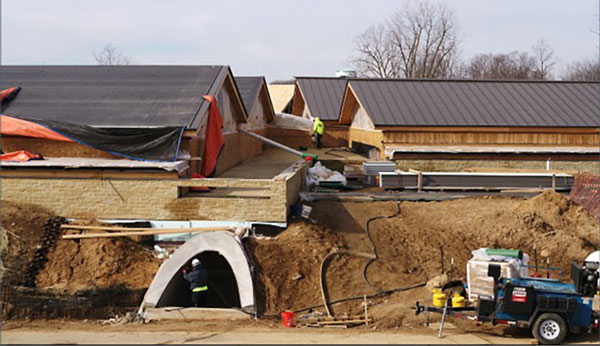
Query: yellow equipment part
[[439, 298], [458, 301]]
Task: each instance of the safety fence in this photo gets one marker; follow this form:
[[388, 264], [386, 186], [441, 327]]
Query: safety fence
[[586, 191], [22, 302]]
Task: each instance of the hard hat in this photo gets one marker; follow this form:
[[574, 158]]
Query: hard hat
[[195, 262]]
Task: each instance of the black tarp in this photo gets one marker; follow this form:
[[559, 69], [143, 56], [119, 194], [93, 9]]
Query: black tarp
[[144, 144]]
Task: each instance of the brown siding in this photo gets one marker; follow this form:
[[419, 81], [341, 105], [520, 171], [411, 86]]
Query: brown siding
[[509, 136], [238, 147], [373, 138], [289, 137], [335, 135], [298, 102]]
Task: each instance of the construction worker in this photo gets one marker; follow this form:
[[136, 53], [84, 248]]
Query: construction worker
[[198, 282], [318, 130]]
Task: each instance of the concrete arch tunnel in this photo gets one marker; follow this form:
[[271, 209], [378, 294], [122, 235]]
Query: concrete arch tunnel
[[230, 277]]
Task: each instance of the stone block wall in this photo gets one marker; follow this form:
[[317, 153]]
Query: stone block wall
[[155, 199]]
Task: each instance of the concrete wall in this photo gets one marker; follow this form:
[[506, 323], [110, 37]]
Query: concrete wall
[[264, 200]]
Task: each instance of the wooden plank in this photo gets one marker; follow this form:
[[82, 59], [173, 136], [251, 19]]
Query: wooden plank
[[140, 233], [107, 228], [342, 322]]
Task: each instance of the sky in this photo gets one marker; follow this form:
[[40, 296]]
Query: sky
[[279, 39]]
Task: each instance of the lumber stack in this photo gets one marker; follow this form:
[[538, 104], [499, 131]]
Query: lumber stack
[[111, 232]]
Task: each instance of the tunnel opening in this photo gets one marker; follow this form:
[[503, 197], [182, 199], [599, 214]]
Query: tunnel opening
[[222, 285]]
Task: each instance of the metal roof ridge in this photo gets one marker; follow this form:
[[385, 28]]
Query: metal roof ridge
[[461, 80]]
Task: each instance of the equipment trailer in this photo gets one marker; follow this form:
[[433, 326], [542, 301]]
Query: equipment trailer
[[548, 307]]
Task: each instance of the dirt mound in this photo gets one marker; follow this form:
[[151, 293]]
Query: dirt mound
[[563, 230], [408, 246], [22, 232], [288, 266], [75, 265]]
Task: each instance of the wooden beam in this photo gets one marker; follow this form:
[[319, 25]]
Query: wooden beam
[[138, 233]]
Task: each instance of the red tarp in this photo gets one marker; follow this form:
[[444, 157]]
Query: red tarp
[[213, 138], [10, 126], [21, 156], [9, 94]]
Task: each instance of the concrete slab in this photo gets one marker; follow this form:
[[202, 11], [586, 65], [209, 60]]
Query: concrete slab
[[197, 314]]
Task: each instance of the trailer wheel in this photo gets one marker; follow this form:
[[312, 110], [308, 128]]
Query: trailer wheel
[[549, 329]]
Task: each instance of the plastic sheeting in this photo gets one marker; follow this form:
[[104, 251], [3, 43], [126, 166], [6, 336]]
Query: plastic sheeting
[[80, 162], [7, 95], [290, 121], [10, 126], [20, 156], [213, 138], [144, 144], [319, 173]]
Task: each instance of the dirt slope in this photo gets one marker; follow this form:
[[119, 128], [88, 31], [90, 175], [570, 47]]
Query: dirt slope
[[22, 232], [409, 247], [85, 264]]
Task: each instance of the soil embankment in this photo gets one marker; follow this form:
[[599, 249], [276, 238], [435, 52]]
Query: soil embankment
[[288, 265], [408, 246]]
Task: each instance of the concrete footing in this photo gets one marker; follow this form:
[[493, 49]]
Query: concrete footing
[[178, 313]]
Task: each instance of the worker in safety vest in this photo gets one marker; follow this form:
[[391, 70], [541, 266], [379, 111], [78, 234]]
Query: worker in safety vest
[[198, 282], [318, 130]]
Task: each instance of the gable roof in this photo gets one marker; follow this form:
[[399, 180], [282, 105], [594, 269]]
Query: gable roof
[[281, 96], [322, 95], [250, 88], [402, 102], [113, 96]]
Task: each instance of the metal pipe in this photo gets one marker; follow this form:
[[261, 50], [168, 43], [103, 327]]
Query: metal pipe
[[273, 143]]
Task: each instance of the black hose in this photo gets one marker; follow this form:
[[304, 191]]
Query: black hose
[[368, 231]]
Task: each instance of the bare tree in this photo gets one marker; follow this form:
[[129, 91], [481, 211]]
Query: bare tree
[[514, 65], [376, 53], [545, 60], [418, 41], [110, 55], [586, 70]]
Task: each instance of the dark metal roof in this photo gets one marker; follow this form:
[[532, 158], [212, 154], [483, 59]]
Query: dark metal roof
[[111, 96], [249, 88], [323, 95], [479, 103]]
